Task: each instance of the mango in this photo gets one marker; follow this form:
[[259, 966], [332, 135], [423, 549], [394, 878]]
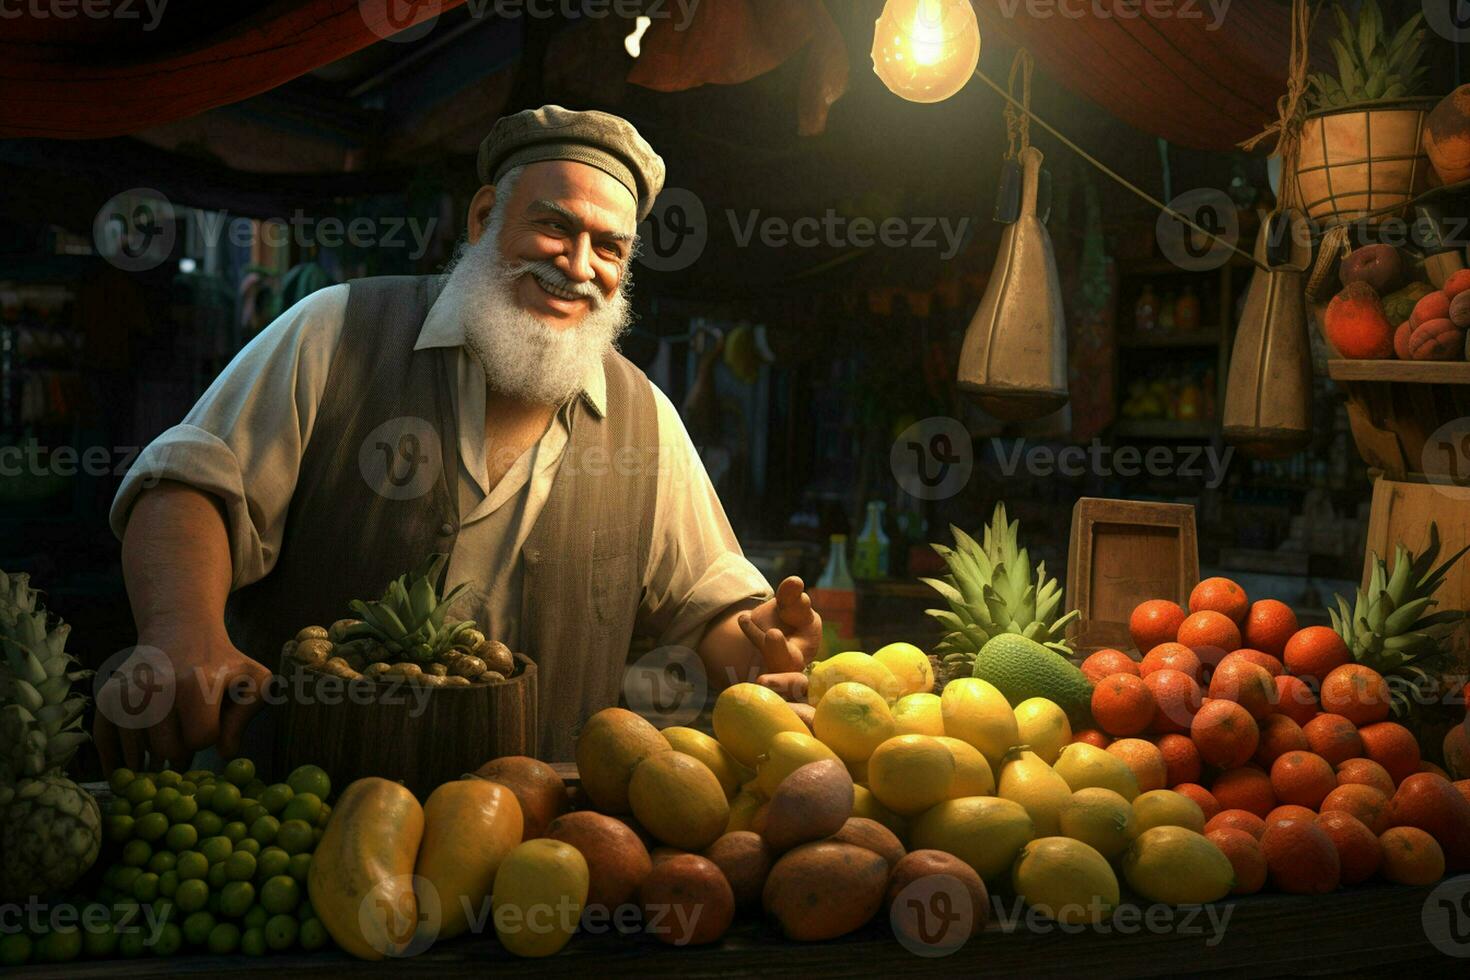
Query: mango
[[470, 825]]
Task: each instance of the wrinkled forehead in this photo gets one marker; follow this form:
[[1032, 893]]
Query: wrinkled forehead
[[595, 198]]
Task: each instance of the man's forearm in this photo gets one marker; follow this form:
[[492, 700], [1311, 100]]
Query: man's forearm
[[176, 559], [728, 655]]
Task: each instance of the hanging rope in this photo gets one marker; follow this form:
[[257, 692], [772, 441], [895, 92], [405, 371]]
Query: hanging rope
[[1290, 111], [1018, 124]]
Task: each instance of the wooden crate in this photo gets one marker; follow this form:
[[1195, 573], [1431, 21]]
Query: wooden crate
[[1397, 407], [1122, 552]]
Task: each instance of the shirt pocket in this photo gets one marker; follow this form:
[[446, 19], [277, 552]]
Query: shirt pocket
[[615, 587]]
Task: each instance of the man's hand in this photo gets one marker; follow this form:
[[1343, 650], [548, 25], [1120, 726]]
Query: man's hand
[[787, 632], [178, 693]]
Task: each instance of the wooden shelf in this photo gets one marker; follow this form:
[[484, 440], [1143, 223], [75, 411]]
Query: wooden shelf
[[1411, 372], [1209, 337], [1165, 428]]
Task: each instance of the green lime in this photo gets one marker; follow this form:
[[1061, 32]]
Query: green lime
[[170, 939], [254, 788], [300, 866], [323, 817], [196, 928], [182, 837], [240, 866], [305, 910], [212, 906], [313, 934], [239, 772], [192, 895], [235, 830], [143, 809], [162, 861], [236, 897], [223, 938], [273, 861], [295, 836], [253, 812], [188, 788], [59, 945], [120, 779], [280, 932], [252, 942], [264, 829], [135, 853], [199, 776], [119, 807], [256, 918], [126, 912], [168, 882], [216, 849], [130, 942], [204, 795], [208, 823], [15, 949], [169, 778], [98, 943], [310, 779], [192, 864], [125, 877], [119, 828], [166, 797], [280, 894], [145, 888], [225, 799], [303, 806], [164, 910], [217, 876], [183, 809], [139, 790], [151, 826], [249, 845], [275, 797]]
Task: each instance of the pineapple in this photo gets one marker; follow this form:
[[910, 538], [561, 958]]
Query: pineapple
[[409, 621], [993, 590], [1371, 65], [1390, 628], [50, 828]]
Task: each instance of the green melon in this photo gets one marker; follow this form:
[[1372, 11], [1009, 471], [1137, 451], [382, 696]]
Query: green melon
[[1022, 668]]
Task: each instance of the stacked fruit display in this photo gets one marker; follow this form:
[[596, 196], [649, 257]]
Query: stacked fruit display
[[1380, 314]]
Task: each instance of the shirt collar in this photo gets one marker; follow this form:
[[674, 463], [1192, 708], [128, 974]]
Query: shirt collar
[[444, 327]]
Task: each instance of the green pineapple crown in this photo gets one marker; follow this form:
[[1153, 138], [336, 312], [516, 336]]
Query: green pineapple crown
[[991, 589], [40, 717], [410, 618], [1390, 627], [1370, 64]]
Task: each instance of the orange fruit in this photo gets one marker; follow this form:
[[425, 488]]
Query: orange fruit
[[1279, 735], [1181, 759], [1335, 738], [1225, 734], [1220, 595], [1411, 857], [1427, 766], [1295, 699], [1357, 693], [1153, 622], [1146, 761], [1176, 700], [1456, 749], [1366, 803], [1208, 805], [1300, 856], [1247, 684], [1391, 746], [1092, 737], [1108, 661], [1246, 788], [1122, 705], [1268, 625], [1290, 811], [1358, 852], [1431, 803], [1367, 772], [1242, 820], [1210, 634], [1246, 857], [1463, 785], [1170, 656], [1302, 778], [1260, 658], [1314, 652]]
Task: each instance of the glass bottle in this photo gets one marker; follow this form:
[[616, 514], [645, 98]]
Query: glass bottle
[[870, 551], [1145, 311]]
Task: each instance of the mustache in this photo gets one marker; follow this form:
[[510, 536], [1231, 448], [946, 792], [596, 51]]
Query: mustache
[[548, 272]]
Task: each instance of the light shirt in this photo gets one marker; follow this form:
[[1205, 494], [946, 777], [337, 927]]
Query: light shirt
[[243, 442]]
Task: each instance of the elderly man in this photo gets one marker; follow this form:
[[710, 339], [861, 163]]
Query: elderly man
[[485, 413]]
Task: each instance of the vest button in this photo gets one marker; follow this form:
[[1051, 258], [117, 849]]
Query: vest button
[[446, 529]]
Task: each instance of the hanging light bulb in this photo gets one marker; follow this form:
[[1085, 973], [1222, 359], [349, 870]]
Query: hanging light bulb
[[926, 50]]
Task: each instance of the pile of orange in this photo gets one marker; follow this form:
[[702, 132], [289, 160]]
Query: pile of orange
[[1283, 740]]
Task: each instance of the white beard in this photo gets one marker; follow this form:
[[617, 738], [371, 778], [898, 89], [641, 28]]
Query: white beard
[[523, 356]]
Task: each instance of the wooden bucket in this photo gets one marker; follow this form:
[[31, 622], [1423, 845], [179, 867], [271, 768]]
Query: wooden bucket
[[1362, 158], [1402, 415], [421, 736]]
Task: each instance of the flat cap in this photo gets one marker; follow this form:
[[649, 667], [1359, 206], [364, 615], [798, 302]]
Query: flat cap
[[599, 139]]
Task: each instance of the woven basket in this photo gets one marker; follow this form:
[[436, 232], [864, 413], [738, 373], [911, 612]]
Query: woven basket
[[1361, 159]]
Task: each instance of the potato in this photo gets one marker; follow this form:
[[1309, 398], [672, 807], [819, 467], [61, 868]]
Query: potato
[[497, 656], [311, 633]]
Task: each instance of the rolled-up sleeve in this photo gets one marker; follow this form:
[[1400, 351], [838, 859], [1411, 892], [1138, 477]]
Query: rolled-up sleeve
[[696, 569], [242, 442]]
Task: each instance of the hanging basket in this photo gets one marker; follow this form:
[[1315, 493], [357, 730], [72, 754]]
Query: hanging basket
[[1362, 158]]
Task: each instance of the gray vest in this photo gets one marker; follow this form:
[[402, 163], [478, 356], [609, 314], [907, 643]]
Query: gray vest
[[346, 538]]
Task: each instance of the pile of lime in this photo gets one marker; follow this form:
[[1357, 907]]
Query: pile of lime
[[203, 862]]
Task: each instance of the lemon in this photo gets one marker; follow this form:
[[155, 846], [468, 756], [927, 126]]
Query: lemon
[[865, 804], [851, 667], [746, 718], [985, 832], [742, 811], [910, 773], [1065, 880], [1026, 780], [1166, 808], [1099, 818], [853, 719], [692, 741], [1043, 725], [1178, 867], [976, 712], [910, 665], [788, 752], [918, 714], [972, 775], [539, 875], [1083, 765]]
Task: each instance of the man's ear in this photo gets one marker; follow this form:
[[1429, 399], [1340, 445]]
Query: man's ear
[[479, 213]]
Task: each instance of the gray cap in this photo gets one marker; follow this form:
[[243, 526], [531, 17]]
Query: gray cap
[[598, 139]]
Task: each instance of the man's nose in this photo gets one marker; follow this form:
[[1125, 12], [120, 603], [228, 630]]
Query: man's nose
[[576, 261]]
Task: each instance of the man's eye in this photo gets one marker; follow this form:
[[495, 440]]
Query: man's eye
[[554, 224]]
